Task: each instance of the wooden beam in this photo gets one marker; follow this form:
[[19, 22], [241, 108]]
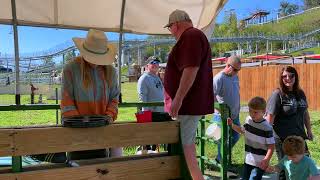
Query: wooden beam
[[28, 141], [159, 168], [7, 177], [6, 141]]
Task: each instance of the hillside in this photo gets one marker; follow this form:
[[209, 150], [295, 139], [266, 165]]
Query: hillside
[[306, 22], [315, 50]]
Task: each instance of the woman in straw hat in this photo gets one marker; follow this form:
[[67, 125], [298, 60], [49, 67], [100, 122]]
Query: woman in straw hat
[[90, 86]]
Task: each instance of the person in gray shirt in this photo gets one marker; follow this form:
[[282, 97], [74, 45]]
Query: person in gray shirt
[[227, 90], [150, 87], [287, 111]]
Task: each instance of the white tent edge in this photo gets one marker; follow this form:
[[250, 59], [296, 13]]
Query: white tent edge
[[207, 29]]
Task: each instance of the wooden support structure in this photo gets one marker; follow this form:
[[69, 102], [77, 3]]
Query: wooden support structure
[[292, 58], [149, 167], [38, 140]]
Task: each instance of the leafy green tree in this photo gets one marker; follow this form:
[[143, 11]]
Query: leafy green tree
[[162, 50], [287, 8], [69, 56], [47, 60], [229, 27], [311, 3]]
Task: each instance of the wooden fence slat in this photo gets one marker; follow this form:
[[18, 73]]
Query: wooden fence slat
[[160, 168], [7, 177], [29, 141], [6, 141], [317, 87]]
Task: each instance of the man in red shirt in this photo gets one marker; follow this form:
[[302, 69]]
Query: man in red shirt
[[188, 82]]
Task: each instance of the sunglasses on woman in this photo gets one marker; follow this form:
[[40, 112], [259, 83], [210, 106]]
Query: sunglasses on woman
[[290, 76]]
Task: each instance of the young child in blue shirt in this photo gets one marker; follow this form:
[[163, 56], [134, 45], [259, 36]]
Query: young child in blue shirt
[[295, 163]]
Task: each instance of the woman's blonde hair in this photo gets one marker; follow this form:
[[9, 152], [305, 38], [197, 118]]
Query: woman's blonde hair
[[86, 75]]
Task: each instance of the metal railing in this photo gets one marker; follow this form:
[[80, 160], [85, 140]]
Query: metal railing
[[225, 145]]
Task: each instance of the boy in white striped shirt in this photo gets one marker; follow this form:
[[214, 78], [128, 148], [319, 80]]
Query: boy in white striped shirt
[[259, 140]]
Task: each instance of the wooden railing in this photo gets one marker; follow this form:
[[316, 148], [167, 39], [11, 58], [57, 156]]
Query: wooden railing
[[38, 140]]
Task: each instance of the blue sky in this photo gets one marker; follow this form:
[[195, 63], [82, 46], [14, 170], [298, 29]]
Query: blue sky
[[39, 39], [244, 8]]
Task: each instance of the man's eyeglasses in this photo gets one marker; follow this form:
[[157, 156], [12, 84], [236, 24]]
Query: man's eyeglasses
[[235, 69], [169, 26], [290, 76]]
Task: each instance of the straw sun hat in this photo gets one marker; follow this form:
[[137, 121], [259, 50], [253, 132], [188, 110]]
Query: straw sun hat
[[95, 48]]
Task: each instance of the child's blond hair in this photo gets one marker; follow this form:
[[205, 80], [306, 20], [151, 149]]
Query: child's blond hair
[[293, 145], [257, 103]]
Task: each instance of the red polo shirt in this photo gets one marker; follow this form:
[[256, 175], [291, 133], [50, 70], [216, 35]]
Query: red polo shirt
[[191, 50]]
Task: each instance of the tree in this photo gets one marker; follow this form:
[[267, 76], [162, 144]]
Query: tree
[[69, 56], [229, 27], [311, 3], [287, 8], [161, 50], [47, 60]]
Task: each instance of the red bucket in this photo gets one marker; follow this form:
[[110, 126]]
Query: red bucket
[[144, 116]]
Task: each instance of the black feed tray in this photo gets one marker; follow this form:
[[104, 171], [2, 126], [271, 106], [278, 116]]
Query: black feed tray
[[85, 121], [160, 117]]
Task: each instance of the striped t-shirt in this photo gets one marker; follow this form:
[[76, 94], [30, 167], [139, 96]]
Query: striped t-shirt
[[258, 135]]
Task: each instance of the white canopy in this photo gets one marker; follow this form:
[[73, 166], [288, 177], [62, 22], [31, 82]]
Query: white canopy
[[131, 16], [140, 16]]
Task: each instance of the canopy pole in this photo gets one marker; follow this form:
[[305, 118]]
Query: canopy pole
[[16, 50], [16, 160], [120, 47]]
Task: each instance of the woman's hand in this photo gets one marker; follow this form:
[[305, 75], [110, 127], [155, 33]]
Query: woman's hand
[[310, 135], [109, 119]]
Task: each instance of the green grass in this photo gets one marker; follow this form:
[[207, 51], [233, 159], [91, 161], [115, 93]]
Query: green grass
[[129, 94], [26, 118], [316, 50], [48, 117]]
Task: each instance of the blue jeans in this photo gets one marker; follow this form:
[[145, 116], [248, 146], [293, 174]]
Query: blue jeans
[[252, 172], [234, 139]]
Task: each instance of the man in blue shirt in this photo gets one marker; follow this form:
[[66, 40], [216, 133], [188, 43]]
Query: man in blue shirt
[[150, 87]]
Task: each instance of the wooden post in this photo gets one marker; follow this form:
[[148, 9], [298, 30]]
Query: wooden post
[[202, 143], [224, 133], [292, 58], [57, 111], [304, 60], [16, 163], [177, 149]]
